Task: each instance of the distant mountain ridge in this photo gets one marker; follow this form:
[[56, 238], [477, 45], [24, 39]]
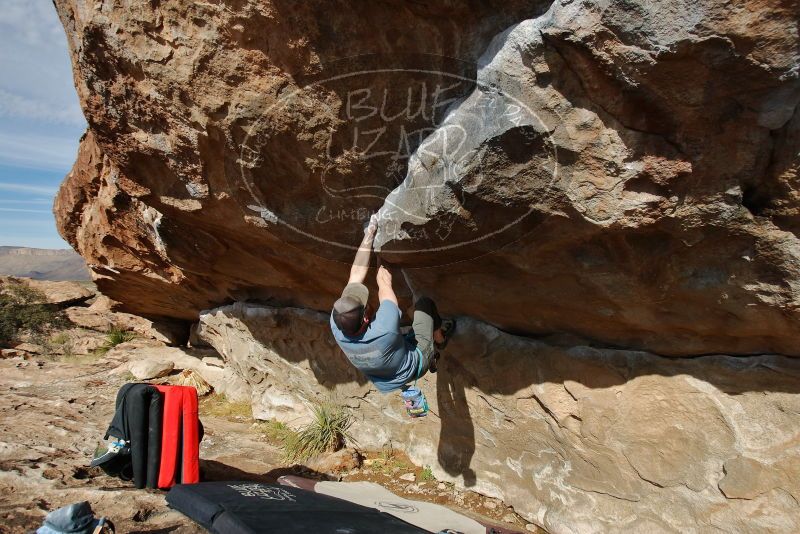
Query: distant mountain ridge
[[43, 264]]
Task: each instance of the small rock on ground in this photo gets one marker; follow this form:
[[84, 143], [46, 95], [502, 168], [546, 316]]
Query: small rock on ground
[[336, 462], [147, 369]]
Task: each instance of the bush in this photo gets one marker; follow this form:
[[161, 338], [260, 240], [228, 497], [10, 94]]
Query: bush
[[25, 309], [328, 432], [8, 323]]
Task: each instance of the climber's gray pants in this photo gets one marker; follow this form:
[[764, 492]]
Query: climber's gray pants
[[426, 320]]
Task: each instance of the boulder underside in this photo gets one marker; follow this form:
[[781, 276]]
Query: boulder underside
[[622, 173]]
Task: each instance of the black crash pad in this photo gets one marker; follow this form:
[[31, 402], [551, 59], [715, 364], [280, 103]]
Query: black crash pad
[[255, 508]]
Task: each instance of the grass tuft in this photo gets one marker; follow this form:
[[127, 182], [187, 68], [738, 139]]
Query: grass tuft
[[276, 432], [328, 432], [127, 376], [427, 474], [62, 338], [219, 406], [58, 344], [115, 336], [188, 377]]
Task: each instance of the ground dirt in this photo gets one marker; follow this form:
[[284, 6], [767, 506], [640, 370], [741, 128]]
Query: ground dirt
[[54, 412]]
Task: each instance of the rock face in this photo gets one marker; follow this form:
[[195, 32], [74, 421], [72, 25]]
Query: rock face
[[157, 202], [649, 182], [631, 169], [578, 439]]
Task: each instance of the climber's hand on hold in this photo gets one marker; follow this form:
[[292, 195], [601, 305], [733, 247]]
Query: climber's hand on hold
[[384, 279], [371, 228]]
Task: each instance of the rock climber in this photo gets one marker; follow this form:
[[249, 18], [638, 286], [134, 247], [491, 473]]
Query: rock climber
[[374, 344]]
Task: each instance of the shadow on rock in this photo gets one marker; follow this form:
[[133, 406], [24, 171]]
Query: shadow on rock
[[214, 470]]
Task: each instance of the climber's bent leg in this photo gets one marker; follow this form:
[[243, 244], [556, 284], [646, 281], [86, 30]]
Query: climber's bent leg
[[426, 321]]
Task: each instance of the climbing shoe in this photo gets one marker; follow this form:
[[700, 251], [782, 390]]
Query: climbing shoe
[[433, 367], [448, 328]]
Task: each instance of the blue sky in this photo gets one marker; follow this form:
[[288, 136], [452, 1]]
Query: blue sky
[[40, 121]]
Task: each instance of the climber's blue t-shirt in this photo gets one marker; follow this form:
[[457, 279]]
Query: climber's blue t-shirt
[[381, 352]]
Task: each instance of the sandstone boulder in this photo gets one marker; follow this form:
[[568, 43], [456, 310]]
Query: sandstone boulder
[[621, 173], [577, 439], [31, 348], [84, 317], [615, 181], [62, 293]]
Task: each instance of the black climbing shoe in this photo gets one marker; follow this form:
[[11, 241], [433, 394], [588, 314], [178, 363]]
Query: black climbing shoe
[[433, 367], [448, 328]]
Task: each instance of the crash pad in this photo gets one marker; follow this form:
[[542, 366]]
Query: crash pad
[[429, 516], [258, 508]]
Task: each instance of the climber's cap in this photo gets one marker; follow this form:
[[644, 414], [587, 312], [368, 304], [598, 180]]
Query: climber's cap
[[348, 311]]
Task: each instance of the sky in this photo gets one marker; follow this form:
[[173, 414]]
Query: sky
[[40, 121]]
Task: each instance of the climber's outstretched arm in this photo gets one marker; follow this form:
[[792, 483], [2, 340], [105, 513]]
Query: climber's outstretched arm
[[358, 271]]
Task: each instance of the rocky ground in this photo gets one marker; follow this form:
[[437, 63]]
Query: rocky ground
[[54, 413], [56, 408]]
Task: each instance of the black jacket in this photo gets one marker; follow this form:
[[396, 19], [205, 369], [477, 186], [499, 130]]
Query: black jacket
[[137, 421]]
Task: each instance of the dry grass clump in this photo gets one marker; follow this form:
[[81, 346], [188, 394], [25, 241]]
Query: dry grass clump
[[188, 377], [328, 432], [217, 405], [275, 431]]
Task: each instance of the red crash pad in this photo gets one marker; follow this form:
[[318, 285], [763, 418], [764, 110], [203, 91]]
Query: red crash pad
[[180, 443]]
